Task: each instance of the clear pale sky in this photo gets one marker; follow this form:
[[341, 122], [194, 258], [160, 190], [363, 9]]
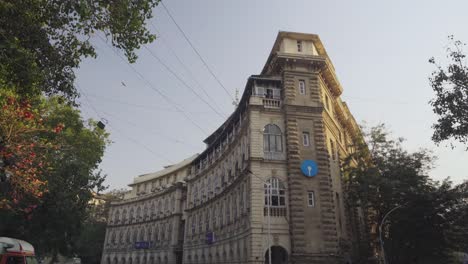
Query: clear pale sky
[[380, 50]]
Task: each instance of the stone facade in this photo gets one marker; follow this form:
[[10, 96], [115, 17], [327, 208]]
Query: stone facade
[[147, 225], [290, 113]]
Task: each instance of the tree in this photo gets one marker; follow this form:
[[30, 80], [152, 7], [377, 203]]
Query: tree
[[381, 175], [57, 218], [450, 84], [24, 144], [90, 242], [42, 42]]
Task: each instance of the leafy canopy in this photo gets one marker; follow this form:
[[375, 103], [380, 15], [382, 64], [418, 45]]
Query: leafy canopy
[[381, 175], [450, 84], [42, 42], [54, 220]]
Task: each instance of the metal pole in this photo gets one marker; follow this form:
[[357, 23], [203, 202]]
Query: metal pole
[[269, 223], [380, 232]]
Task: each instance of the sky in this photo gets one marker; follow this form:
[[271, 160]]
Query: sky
[[380, 50]]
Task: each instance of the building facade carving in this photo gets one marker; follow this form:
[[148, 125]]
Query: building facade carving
[[246, 193]]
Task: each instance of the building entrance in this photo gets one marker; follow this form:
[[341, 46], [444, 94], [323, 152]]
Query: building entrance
[[279, 255]]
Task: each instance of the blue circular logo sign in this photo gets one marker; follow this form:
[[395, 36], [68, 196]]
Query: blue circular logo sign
[[309, 168]]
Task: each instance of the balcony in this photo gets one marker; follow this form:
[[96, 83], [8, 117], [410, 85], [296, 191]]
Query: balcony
[[271, 103], [275, 211]]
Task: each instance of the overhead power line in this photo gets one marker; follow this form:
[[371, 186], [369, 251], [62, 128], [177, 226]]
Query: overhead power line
[[183, 82], [152, 87], [120, 132], [146, 107], [152, 131], [196, 51], [186, 68]]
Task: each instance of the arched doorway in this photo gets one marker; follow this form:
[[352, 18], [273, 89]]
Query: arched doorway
[[279, 255]]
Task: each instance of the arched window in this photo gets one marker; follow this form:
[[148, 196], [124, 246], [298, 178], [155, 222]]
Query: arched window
[[173, 203], [228, 210], [145, 212], [169, 231], [200, 223], [153, 210], [272, 139], [113, 238], [215, 216], [131, 216], [193, 221], [124, 216], [241, 199], [195, 193], [159, 207], [202, 189], [208, 219], [149, 236], [221, 213], [138, 212], [156, 233], [121, 237], [142, 234], [216, 182], [127, 237], [209, 186], [234, 205], [275, 196], [116, 217], [135, 235], [163, 231]]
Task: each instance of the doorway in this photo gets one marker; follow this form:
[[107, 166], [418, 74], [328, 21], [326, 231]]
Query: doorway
[[279, 255]]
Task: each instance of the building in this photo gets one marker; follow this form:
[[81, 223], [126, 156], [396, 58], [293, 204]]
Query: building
[[147, 225], [269, 178]]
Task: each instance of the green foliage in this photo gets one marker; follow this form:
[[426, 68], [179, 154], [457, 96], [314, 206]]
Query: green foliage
[[381, 175], [90, 242], [42, 42], [57, 220], [450, 84]]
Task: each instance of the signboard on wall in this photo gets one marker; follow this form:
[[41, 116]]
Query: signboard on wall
[[142, 245], [309, 168], [210, 238]]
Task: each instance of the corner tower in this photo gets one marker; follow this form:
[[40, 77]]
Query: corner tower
[[318, 129]]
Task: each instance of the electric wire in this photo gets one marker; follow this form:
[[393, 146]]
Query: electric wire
[[182, 81], [152, 87], [196, 51], [151, 130], [186, 68], [119, 131], [142, 106]]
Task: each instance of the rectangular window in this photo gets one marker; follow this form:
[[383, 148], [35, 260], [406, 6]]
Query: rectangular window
[[310, 199], [299, 46], [306, 139], [327, 103], [302, 88], [333, 149]]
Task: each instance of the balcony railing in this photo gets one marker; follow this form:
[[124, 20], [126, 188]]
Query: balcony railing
[[275, 211], [271, 103]]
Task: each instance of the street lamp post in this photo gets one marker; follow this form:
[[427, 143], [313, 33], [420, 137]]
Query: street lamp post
[[269, 221], [268, 185], [380, 232]]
